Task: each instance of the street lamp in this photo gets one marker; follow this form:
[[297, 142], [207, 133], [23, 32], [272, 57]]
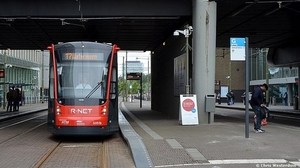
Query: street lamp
[[186, 32], [148, 75], [43, 69]]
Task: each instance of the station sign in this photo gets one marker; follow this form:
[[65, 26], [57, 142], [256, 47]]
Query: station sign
[[134, 76], [237, 49]]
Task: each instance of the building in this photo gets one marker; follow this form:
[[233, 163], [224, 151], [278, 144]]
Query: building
[[23, 69], [231, 74]]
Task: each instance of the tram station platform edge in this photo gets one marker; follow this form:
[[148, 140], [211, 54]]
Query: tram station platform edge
[[222, 143]]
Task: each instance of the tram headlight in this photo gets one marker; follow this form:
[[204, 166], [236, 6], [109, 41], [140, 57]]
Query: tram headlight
[[104, 110], [58, 111]]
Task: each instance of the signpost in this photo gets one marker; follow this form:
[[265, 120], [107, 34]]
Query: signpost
[[239, 52], [136, 76], [237, 49]]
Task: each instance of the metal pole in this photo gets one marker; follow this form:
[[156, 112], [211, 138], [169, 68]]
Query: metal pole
[[141, 90], [229, 75], [126, 79], [123, 79], [43, 77], [4, 82], [187, 65], [247, 89], [148, 96], [267, 82]]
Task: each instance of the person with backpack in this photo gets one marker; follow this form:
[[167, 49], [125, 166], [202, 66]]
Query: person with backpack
[[256, 103], [229, 98]]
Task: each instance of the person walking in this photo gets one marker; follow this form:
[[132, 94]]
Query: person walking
[[219, 98], [232, 97], [17, 98], [285, 98], [244, 98], [10, 99], [229, 97], [256, 103]]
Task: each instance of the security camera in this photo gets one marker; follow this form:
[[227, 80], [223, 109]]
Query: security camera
[[176, 33], [190, 28], [8, 65]]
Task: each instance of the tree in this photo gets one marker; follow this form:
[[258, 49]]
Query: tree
[[135, 85]]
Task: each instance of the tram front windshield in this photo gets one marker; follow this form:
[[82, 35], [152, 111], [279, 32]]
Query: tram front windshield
[[82, 73]]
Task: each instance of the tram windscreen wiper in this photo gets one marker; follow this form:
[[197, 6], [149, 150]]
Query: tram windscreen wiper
[[94, 89]]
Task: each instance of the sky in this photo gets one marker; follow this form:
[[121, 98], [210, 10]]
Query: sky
[[134, 56]]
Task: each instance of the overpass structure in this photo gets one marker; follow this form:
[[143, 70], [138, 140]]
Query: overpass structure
[[149, 25]]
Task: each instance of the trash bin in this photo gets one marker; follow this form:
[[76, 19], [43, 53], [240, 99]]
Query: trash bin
[[295, 101], [274, 101], [210, 103]]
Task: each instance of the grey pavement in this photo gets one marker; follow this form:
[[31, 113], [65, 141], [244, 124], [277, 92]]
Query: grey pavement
[[24, 109], [165, 143], [219, 144]]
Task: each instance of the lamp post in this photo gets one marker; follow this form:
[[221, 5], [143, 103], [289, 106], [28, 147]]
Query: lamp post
[[186, 32], [43, 71], [148, 82]]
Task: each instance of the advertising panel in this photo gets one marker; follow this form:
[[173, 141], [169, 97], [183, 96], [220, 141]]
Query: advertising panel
[[188, 114]]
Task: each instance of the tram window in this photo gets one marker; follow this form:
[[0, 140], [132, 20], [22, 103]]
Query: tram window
[[113, 90]]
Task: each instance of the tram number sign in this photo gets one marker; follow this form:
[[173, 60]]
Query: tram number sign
[[2, 73], [134, 76]]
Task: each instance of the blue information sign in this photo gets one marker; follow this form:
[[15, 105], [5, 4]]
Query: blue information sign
[[237, 49]]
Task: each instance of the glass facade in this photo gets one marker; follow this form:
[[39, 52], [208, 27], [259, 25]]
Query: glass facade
[[22, 69], [281, 80]]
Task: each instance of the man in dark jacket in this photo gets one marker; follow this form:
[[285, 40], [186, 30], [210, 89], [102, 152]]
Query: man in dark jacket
[[256, 103]]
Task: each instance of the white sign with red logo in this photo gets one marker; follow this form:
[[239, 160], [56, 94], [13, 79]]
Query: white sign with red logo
[[188, 110]]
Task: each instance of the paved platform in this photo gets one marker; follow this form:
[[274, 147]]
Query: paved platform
[[27, 108], [219, 144], [161, 142]]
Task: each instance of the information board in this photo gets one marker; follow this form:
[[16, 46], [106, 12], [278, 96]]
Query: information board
[[188, 114], [237, 49]]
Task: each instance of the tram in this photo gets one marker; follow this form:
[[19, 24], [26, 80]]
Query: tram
[[83, 89]]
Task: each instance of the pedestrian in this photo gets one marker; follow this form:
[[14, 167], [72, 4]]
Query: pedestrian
[[23, 98], [285, 98], [9, 97], [244, 98], [219, 98], [14, 97], [228, 95], [17, 98], [232, 97], [256, 103]]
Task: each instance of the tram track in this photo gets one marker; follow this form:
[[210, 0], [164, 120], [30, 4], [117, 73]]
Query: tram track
[[100, 148], [19, 131], [46, 156], [27, 137]]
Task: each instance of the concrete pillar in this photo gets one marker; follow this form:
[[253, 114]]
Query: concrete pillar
[[204, 54], [298, 87]]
